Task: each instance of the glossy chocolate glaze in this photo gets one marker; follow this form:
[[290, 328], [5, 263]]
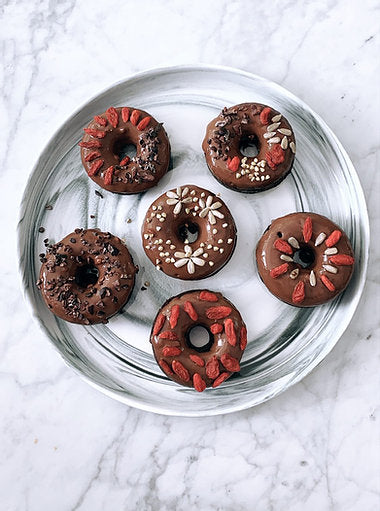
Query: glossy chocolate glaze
[[162, 241], [141, 172], [76, 299], [220, 345], [268, 257], [223, 138]]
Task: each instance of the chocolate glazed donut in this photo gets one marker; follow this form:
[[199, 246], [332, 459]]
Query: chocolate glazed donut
[[245, 125], [189, 233], [304, 259], [105, 137], [182, 362], [87, 277]]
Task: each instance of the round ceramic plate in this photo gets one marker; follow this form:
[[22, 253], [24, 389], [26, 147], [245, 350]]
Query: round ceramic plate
[[285, 343]]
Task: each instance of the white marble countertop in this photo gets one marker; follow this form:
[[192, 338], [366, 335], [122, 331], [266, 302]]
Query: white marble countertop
[[65, 446]]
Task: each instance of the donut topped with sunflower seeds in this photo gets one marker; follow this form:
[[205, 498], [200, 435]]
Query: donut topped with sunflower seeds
[[305, 259], [189, 233], [103, 150]]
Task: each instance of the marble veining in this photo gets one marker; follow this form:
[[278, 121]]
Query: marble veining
[[63, 445]]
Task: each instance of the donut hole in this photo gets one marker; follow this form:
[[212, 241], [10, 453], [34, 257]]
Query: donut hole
[[199, 338], [123, 147], [304, 256], [188, 232], [249, 146], [86, 275]]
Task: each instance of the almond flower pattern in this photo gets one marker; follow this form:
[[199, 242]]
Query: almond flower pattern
[[211, 209], [178, 198], [190, 258]]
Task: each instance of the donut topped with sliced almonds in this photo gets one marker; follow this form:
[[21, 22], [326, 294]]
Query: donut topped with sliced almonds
[[305, 259], [109, 138]]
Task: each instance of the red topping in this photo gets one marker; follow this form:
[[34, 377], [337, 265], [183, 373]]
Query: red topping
[[93, 170], [230, 363], [219, 312], [180, 370], [158, 324], [91, 144], [135, 117], [342, 260], [165, 366], [188, 307], [100, 120], [216, 328], [92, 156], [212, 368], [307, 230], [234, 163], [327, 282], [230, 331], [143, 123], [298, 295], [174, 315], [112, 116], [223, 377], [279, 270], [197, 360], [264, 116], [207, 296], [125, 114], [283, 246], [95, 133], [108, 175], [124, 161], [275, 156], [171, 351], [171, 336], [333, 238], [199, 383], [243, 338]]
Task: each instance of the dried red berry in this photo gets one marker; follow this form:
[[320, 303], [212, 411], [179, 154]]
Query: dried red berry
[[124, 161], [216, 328], [168, 334], [279, 270], [135, 117], [171, 351], [207, 296], [189, 309], [125, 114], [333, 238], [95, 133], [243, 338], [230, 363], [234, 164], [94, 168], [223, 377], [199, 383], [283, 246], [264, 116], [197, 360], [174, 315], [307, 230], [143, 123], [112, 116], [342, 260], [212, 368], [218, 312], [275, 156], [108, 175], [91, 144], [158, 324], [92, 156], [180, 370], [230, 331], [165, 367], [327, 282], [100, 120], [298, 295]]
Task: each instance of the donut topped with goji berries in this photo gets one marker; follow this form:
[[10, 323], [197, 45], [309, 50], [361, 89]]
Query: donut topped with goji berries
[[105, 141], [305, 259], [175, 348], [189, 233], [233, 138]]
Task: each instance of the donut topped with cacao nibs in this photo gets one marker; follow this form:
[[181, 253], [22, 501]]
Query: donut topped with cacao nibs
[[87, 277], [240, 128], [214, 362], [103, 150], [305, 259], [189, 233]]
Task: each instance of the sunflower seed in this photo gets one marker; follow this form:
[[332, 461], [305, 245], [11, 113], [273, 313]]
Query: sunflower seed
[[273, 127], [320, 239], [292, 146], [270, 134], [312, 278], [284, 143], [286, 258], [294, 274], [330, 268], [285, 131], [274, 140], [293, 242], [276, 118], [331, 251]]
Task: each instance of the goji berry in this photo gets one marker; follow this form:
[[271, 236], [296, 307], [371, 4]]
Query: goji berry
[[171, 351], [135, 117], [108, 175], [243, 338], [91, 144], [207, 296], [168, 334], [143, 123], [342, 260], [158, 324], [92, 156], [180, 370], [94, 168], [230, 363], [264, 116], [124, 161], [95, 133], [189, 309], [174, 315], [307, 229], [216, 328], [218, 312], [223, 377], [230, 331], [165, 366], [100, 120], [283, 246], [327, 282], [298, 295], [333, 238], [212, 368], [279, 270], [125, 114], [275, 156], [197, 360], [234, 164], [112, 116], [199, 383]]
